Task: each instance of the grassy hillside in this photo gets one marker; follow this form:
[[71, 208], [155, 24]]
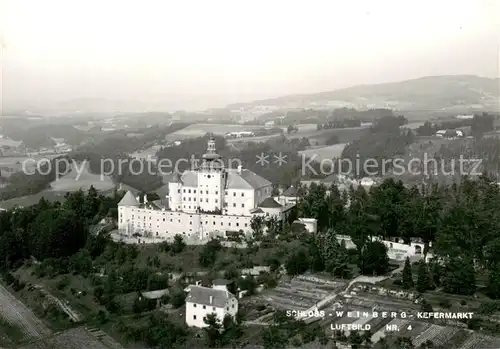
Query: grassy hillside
[[432, 92]]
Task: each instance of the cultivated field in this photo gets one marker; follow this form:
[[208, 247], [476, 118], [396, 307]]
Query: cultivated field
[[145, 154], [301, 293], [26, 201], [327, 152], [77, 338], [15, 313], [9, 142], [199, 130], [74, 181], [414, 125], [345, 135]]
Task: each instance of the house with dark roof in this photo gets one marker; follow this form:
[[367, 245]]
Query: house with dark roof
[[202, 301], [289, 196]]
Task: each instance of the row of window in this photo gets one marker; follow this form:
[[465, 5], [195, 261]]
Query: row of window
[[206, 192], [190, 223]]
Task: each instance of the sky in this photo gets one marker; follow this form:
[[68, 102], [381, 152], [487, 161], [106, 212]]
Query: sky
[[227, 51]]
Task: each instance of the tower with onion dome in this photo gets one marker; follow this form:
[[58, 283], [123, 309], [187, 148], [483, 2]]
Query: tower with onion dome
[[211, 180]]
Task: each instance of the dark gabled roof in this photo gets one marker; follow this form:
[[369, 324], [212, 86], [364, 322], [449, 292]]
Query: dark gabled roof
[[203, 295], [256, 210], [269, 203], [292, 191], [129, 200]]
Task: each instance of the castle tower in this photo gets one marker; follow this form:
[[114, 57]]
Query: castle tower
[[211, 179], [174, 193]]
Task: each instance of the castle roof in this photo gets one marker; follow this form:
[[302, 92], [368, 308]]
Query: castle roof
[[236, 179], [129, 200], [292, 191], [270, 203]]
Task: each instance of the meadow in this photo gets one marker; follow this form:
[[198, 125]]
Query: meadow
[[326, 152], [74, 181], [199, 130], [61, 186]]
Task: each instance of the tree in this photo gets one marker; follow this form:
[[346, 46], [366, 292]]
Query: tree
[[212, 330], [407, 275], [208, 255], [426, 306], [374, 259], [424, 280], [257, 225], [178, 245], [460, 277], [297, 263], [403, 343], [493, 286], [355, 339], [178, 299], [274, 338]]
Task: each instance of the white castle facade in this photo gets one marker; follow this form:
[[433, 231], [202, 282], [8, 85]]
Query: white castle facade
[[203, 202]]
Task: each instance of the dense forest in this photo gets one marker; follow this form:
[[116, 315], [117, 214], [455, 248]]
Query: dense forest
[[459, 221], [385, 141]]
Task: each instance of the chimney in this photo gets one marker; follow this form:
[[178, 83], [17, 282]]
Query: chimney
[[211, 299], [239, 168]]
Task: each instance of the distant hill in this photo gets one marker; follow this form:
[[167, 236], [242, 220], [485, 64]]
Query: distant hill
[[426, 93]]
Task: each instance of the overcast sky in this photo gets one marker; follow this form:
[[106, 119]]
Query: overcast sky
[[237, 50]]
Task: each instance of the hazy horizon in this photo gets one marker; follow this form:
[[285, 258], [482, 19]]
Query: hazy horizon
[[209, 54]]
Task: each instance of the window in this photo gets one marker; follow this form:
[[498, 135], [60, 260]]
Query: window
[[213, 308], [237, 224], [194, 191], [206, 191], [204, 307], [206, 200], [225, 193], [216, 201], [194, 317], [216, 192], [164, 219], [191, 222], [232, 306], [184, 190], [179, 191], [194, 305], [246, 224], [242, 205], [234, 194], [242, 194], [234, 204], [189, 191]]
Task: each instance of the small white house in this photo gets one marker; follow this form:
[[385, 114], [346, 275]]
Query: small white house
[[202, 301]]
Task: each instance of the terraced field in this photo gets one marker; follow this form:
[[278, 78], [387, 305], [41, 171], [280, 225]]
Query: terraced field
[[301, 293], [78, 338], [16, 313]]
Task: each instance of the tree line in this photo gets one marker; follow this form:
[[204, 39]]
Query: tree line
[[458, 224]]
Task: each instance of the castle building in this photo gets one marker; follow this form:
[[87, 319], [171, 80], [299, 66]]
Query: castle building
[[210, 200]]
